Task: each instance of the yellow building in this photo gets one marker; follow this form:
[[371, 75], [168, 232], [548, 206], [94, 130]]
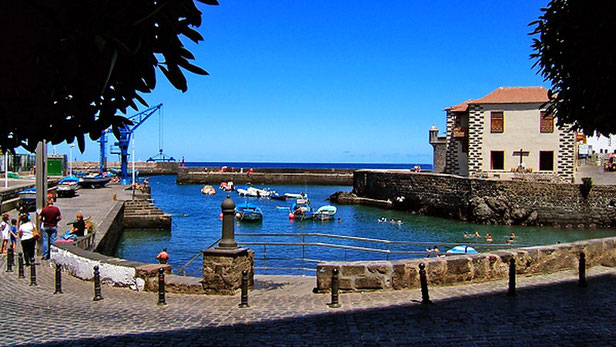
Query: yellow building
[[507, 134]]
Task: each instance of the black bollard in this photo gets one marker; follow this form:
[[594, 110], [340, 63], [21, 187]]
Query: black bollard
[[97, 285], [244, 302], [33, 274], [58, 279], [335, 287], [9, 260], [20, 266], [423, 280], [161, 287], [582, 269], [511, 291]]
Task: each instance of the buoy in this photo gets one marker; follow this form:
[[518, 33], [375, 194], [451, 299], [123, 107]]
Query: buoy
[[237, 215], [291, 215], [220, 216]]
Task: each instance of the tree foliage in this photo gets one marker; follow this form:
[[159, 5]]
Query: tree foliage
[[574, 49], [69, 66]]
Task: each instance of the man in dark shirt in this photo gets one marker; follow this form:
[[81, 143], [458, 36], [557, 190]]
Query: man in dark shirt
[[50, 216], [79, 226]]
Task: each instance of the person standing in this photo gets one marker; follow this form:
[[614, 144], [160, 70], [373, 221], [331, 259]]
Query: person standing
[[26, 235], [50, 216], [4, 229]]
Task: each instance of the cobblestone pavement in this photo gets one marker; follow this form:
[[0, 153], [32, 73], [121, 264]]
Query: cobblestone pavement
[[549, 309]]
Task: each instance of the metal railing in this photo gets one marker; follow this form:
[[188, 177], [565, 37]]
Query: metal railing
[[182, 269], [387, 245]]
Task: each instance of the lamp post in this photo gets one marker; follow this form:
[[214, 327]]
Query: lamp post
[[70, 159]]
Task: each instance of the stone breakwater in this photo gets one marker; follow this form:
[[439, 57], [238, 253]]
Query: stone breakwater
[[475, 268], [335, 177], [491, 201]]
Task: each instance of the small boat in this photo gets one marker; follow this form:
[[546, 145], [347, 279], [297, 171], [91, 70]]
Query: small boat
[[95, 181], [248, 212], [67, 186], [28, 200], [208, 190], [259, 193], [462, 250], [253, 192], [301, 209], [296, 196], [276, 196], [326, 212], [226, 186]]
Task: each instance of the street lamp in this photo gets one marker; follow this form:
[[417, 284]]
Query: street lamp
[[70, 159]]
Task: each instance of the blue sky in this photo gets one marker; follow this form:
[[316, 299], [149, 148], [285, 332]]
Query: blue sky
[[334, 81]]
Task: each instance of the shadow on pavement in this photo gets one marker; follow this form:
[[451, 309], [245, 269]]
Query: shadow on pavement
[[556, 314]]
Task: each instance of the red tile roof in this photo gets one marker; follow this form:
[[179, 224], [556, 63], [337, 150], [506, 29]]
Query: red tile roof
[[507, 95]]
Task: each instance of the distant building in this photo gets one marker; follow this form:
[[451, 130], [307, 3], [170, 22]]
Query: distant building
[[507, 134]]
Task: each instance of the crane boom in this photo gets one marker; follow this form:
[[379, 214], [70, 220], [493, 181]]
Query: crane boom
[[124, 140]]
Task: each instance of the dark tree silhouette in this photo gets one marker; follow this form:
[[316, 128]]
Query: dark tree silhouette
[[67, 67], [575, 51]]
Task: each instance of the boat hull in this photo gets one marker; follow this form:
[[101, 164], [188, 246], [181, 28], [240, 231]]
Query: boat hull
[[98, 182]]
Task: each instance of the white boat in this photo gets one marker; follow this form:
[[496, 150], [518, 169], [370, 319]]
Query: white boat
[[254, 192], [67, 188], [326, 212], [296, 196]]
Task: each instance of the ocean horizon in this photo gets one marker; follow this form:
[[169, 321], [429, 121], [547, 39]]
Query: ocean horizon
[[284, 165]]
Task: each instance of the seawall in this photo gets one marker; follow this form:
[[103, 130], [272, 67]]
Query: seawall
[[491, 201], [475, 268], [195, 175]]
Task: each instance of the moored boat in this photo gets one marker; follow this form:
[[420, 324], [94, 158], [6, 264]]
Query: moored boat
[[208, 190], [246, 211], [97, 181], [67, 186], [326, 212], [301, 210], [296, 196], [276, 196]]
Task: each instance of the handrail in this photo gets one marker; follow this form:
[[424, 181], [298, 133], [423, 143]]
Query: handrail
[[355, 238], [183, 267]]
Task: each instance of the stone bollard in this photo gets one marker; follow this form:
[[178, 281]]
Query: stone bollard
[[423, 280], [511, 291], [97, 285], [58, 279], [10, 260], [161, 287], [582, 270], [335, 287], [33, 274], [244, 300], [20, 266]]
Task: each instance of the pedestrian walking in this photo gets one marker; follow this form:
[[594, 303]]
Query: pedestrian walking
[[13, 232], [27, 233], [50, 216], [5, 228]]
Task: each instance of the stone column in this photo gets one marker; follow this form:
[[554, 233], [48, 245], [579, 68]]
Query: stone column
[[223, 265]]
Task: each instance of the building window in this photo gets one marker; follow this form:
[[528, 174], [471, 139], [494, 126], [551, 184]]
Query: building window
[[546, 160], [546, 122], [497, 121], [497, 160]]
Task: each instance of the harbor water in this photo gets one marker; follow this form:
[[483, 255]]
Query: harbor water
[[196, 225]]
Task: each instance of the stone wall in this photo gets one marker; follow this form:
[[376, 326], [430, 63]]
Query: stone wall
[[491, 201], [475, 268], [266, 176], [145, 168], [108, 232]]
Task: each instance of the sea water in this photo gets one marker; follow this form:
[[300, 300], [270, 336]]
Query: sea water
[[196, 225]]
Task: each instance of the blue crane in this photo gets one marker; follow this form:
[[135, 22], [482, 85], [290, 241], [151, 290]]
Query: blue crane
[[123, 142]]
